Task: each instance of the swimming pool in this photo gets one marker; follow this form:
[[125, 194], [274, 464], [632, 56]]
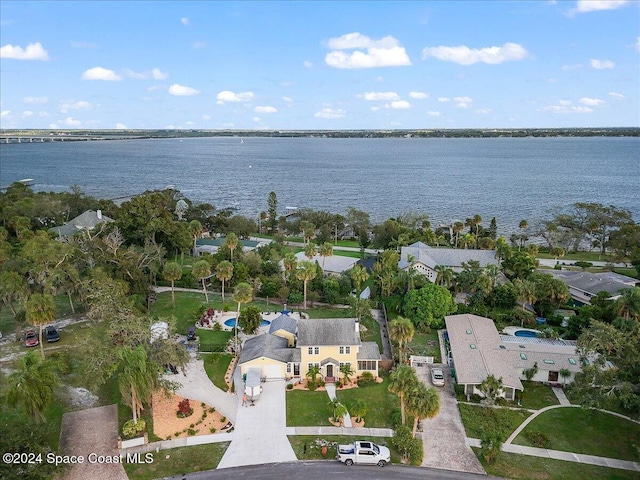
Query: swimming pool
[[231, 322], [526, 333]]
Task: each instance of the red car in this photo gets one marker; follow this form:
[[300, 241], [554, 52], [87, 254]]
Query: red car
[[31, 339]]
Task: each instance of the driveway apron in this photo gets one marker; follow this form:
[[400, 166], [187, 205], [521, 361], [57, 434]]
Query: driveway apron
[[259, 434]]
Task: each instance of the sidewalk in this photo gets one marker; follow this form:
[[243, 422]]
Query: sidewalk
[[331, 391]]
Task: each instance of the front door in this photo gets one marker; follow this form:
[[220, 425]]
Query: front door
[[296, 369], [553, 376], [329, 370]]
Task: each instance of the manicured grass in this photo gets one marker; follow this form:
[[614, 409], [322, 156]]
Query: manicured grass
[[308, 447], [586, 431], [537, 396], [380, 403], [307, 409], [523, 467], [329, 312], [181, 461], [372, 333], [425, 344], [346, 253], [220, 337], [575, 256], [479, 419], [216, 365]]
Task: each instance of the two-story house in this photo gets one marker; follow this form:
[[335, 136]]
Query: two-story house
[[292, 347]]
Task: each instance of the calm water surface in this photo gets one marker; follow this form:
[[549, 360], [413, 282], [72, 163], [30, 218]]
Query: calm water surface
[[447, 178]]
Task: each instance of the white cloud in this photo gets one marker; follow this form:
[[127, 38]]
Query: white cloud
[[616, 95], [591, 102], [27, 114], [601, 64], [206, 117], [34, 51], [287, 99], [385, 52], [594, 5], [398, 105], [572, 67], [443, 99], [35, 100], [121, 126], [564, 102], [154, 73], [463, 102], [377, 96], [229, 96], [182, 91], [265, 109], [71, 122], [330, 113], [99, 73], [185, 21], [375, 109], [256, 119], [433, 114], [464, 55], [198, 44], [307, 64], [43, 114], [419, 95], [5, 113], [154, 88], [80, 105], [564, 107], [483, 110]]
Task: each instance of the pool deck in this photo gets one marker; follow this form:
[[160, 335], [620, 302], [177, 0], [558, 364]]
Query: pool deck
[[222, 317]]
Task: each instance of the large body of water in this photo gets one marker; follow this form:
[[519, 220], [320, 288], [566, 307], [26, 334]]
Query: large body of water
[[446, 178]]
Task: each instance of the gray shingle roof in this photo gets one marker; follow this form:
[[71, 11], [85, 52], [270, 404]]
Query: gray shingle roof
[[327, 331], [270, 346], [83, 222], [284, 322], [329, 360], [592, 283], [449, 257], [369, 351]]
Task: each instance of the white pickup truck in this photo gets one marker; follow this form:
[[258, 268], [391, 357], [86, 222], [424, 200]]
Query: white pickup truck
[[365, 453]]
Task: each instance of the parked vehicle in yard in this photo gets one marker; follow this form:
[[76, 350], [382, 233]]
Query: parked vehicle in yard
[[191, 333], [51, 334], [365, 453], [31, 339], [437, 377]]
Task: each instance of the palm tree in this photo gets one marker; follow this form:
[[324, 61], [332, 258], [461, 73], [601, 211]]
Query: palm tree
[[172, 272], [422, 402], [41, 309], [306, 271], [202, 270], [310, 250], [289, 261], [629, 303], [358, 409], [401, 330], [32, 385], [231, 242], [457, 228], [243, 293], [195, 227], [224, 272], [493, 272], [346, 371], [313, 372], [402, 380], [444, 276], [564, 373], [326, 250], [359, 275], [138, 377], [525, 291]]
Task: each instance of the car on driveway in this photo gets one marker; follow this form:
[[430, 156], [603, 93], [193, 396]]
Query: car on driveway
[[51, 334], [437, 377], [31, 339]]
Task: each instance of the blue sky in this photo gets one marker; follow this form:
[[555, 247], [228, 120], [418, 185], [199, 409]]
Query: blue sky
[[319, 65]]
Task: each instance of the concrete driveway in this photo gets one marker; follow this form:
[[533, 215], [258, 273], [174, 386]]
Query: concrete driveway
[[443, 437], [259, 434]]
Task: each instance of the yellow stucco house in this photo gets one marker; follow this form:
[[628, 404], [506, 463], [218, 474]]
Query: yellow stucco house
[[292, 346]]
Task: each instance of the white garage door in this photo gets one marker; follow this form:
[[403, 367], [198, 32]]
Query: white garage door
[[272, 371]]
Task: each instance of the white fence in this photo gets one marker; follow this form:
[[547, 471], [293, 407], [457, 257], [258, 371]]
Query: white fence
[[419, 361]]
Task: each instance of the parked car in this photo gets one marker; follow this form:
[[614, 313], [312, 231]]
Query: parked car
[[363, 453], [31, 339], [191, 333], [51, 334], [437, 377]]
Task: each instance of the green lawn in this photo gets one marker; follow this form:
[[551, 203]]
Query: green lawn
[[329, 312], [180, 461], [523, 467], [308, 447], [216, 365], [586, 431], [63, 310], [575, 256], [346, 253], [426, 344], [307, 409], [537, 396], [478, 419], [211, 336]]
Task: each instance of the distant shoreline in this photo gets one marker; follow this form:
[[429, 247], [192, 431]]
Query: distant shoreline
[[133, 134]]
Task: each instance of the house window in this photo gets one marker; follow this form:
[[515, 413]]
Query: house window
[[316, 350], [549, 361], [311, 365], [523, 356], [366, 364], [310, 350], [342, 364], [288, 368], [345, 350]]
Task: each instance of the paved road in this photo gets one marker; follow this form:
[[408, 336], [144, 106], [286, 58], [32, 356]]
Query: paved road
[[329, 470]]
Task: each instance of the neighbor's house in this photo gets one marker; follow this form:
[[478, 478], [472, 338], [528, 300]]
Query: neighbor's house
[[292, 347], [424, 258], [584, 285], [212, 245], [85, 222], [334, 264], [477, 350]]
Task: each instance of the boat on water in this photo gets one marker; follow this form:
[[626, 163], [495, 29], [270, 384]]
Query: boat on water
[[241, 140]]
